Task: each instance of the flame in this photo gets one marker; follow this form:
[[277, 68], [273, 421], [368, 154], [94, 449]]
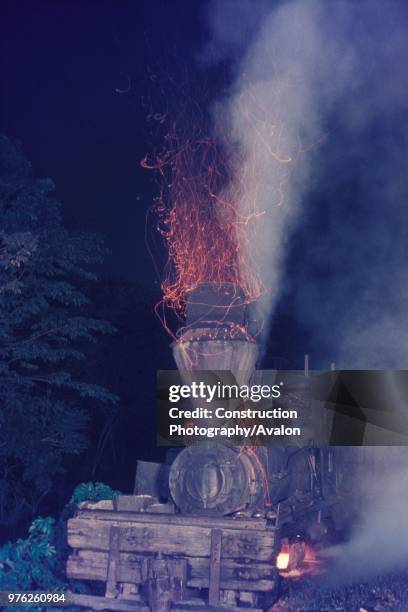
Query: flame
[[282, 560], [293, 565]]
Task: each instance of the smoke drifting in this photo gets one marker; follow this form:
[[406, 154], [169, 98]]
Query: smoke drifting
[[286, 81], [320, 83], [324, 85], [380, 534]]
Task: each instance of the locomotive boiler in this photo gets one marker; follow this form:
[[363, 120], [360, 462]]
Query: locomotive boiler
[[212, 529], [220, 479]]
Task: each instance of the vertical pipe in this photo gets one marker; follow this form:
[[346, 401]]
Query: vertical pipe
[[306, 364]]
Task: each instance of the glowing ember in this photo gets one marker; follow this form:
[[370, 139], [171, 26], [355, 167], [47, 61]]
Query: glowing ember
[[207, 208], [208, 237], [282, 561], [297, 559]]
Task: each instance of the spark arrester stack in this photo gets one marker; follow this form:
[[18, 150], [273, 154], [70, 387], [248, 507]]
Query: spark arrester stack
[[216, 336], [217, 479]]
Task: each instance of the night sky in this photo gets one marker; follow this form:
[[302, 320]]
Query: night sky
[[78, 80], [62, 64]]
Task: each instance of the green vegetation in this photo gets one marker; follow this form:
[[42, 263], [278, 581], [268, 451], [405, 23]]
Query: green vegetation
[[37, 563]]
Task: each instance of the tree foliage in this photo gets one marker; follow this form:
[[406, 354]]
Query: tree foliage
[[37, 563], [15, 250], [46, 325]]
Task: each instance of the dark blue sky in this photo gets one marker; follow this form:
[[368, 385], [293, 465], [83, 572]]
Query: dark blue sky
[[62, 63]]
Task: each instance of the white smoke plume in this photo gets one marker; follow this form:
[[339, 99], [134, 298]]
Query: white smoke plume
[[379, 541], [303, 70], [286, 80]]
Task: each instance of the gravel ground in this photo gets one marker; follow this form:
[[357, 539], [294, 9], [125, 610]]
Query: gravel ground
[[312, 594]]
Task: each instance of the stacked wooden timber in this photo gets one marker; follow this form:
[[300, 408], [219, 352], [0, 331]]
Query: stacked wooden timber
[[150, 558]]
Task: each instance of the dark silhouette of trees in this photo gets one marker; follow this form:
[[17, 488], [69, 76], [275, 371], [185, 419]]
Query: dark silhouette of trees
[[46, 328]]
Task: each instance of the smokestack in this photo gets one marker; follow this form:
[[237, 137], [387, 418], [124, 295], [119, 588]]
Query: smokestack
[[216, 335], [216, 480]]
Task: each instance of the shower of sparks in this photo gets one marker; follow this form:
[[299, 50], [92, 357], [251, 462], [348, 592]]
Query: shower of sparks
[[206, 216], [207, 237]]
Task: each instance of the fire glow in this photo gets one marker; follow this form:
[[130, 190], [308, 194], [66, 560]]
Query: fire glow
[[215, 188], [207, 235], [297, 559], [282, 561]]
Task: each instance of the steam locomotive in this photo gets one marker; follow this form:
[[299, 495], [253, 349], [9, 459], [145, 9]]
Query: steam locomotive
[[213, 528]]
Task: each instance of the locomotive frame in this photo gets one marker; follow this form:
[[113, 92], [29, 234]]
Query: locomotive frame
[[214, 546], [145, 556]]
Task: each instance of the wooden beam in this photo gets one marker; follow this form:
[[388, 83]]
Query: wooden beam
[[215, 567], [167, 538], [92, 565], [215, 522], [113, 562]]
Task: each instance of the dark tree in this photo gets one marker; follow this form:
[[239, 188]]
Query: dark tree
[[45, 329], [15, 250]]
